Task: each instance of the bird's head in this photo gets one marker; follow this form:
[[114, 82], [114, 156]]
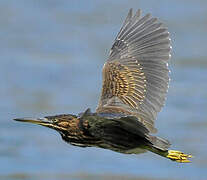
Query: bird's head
[[62, 123]]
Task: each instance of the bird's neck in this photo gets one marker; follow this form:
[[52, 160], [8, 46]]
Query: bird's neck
[[78, 133]]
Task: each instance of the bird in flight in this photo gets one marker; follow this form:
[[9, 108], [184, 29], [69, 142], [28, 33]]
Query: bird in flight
[[135, 83]]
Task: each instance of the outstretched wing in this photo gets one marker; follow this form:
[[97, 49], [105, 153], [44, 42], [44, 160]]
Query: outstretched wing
[[135, 77]]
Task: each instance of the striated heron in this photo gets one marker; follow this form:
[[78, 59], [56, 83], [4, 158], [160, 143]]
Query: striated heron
[[135, 83]]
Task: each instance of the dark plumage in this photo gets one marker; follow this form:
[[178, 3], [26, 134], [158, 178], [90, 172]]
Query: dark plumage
[[135, 83]]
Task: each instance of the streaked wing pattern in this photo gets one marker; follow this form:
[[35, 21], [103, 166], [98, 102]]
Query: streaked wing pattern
[[135, 77]]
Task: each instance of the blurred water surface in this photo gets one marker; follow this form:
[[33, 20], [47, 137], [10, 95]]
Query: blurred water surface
[[52, 53]]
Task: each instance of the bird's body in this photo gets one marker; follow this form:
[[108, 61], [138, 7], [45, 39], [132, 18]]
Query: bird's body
[[135, 83]]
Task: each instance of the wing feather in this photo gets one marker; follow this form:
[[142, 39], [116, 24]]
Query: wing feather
[[135, 77]]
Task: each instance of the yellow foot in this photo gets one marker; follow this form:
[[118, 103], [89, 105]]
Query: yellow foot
[[178, 156]]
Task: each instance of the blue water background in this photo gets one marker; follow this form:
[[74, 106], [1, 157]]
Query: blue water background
[[51, 57]]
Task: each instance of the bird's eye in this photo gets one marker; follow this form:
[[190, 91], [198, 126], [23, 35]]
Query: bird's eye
[[55, 120]]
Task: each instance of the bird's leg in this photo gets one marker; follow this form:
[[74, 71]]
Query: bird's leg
[[173, 155], [178, 156]]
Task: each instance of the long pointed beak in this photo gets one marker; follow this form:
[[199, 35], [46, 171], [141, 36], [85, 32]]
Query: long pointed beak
[[40, 121]]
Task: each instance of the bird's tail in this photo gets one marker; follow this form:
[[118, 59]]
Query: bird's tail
[[160, 146], [160, 143]]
